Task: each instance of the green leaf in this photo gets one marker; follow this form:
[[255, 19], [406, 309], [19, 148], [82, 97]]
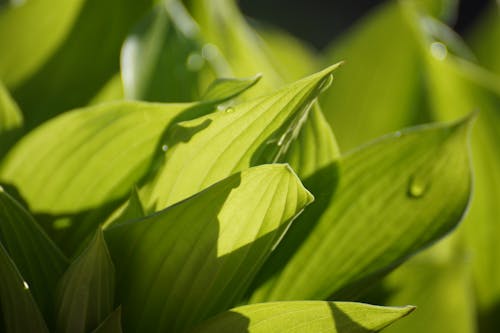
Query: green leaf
[[20, 312], [112, 324], [375, 73], [133, 209], [161, 59], [195, 259], [86, 291], [10, 115], [387, 205], [11, 120], [223, 88], [38, 259], [99, 154], [459, 87], [22, 25], [208, 149], [111, 91], [446, 304], [80, 52], [227, 34], [305, 317]]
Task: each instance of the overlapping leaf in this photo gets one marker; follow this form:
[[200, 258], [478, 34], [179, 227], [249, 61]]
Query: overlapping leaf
[[79, 53], [38, 259], [19, 310], [388, 204], [196, 258], [304, 317], [438, 281], [251, 133], [86, 291], [11, 119]]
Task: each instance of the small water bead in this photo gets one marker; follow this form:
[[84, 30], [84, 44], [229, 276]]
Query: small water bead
[[164, 148], [61, 223], [439, 50], [195, 62], [416, 187], [229, 110], [26, 285]]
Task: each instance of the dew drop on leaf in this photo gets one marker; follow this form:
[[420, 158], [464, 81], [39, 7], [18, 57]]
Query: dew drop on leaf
[[229, 110], [416, 188], [26, 285], [195, 62], [164, 147], [439, 50]]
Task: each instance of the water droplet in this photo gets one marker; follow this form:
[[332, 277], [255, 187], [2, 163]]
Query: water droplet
[[439, 50], [229, 110], [62, 223], [209, 51], [26, 285], [397, 134], [194, 62], [416, 188], [164, 147]]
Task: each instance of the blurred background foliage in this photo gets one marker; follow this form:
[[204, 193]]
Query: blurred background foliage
[[407, 63]]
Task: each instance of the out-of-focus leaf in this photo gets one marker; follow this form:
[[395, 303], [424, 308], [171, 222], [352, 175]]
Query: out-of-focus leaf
[[86, 291], [22, 27], [82, 53], [304, 317], [438, 281], [10, 115], [485, 36], [226, 32], [112, 324], [111, 91], [38, 259], [195, 259], [458, 87], [290, 57], [161, 59], [445, 10], [19, 310], [11, 119], [379, 89], [386, 207], [208, 149]]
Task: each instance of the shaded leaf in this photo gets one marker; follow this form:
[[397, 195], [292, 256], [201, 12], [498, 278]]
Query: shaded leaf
[[387, 36], [161, 59], [38, 259], [82, 41], [20, 56], [86, 291], [386, 207], [132, 210], [196, 258], [11, 120], [112, 324], [205, 150], [444, 305], [457, 88], [305, 316], [20, 312]]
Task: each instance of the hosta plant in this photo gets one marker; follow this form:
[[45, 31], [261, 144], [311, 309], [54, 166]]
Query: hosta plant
[[171, 204]]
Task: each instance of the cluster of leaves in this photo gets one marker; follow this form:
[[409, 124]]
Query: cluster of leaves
[[174, 199]]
